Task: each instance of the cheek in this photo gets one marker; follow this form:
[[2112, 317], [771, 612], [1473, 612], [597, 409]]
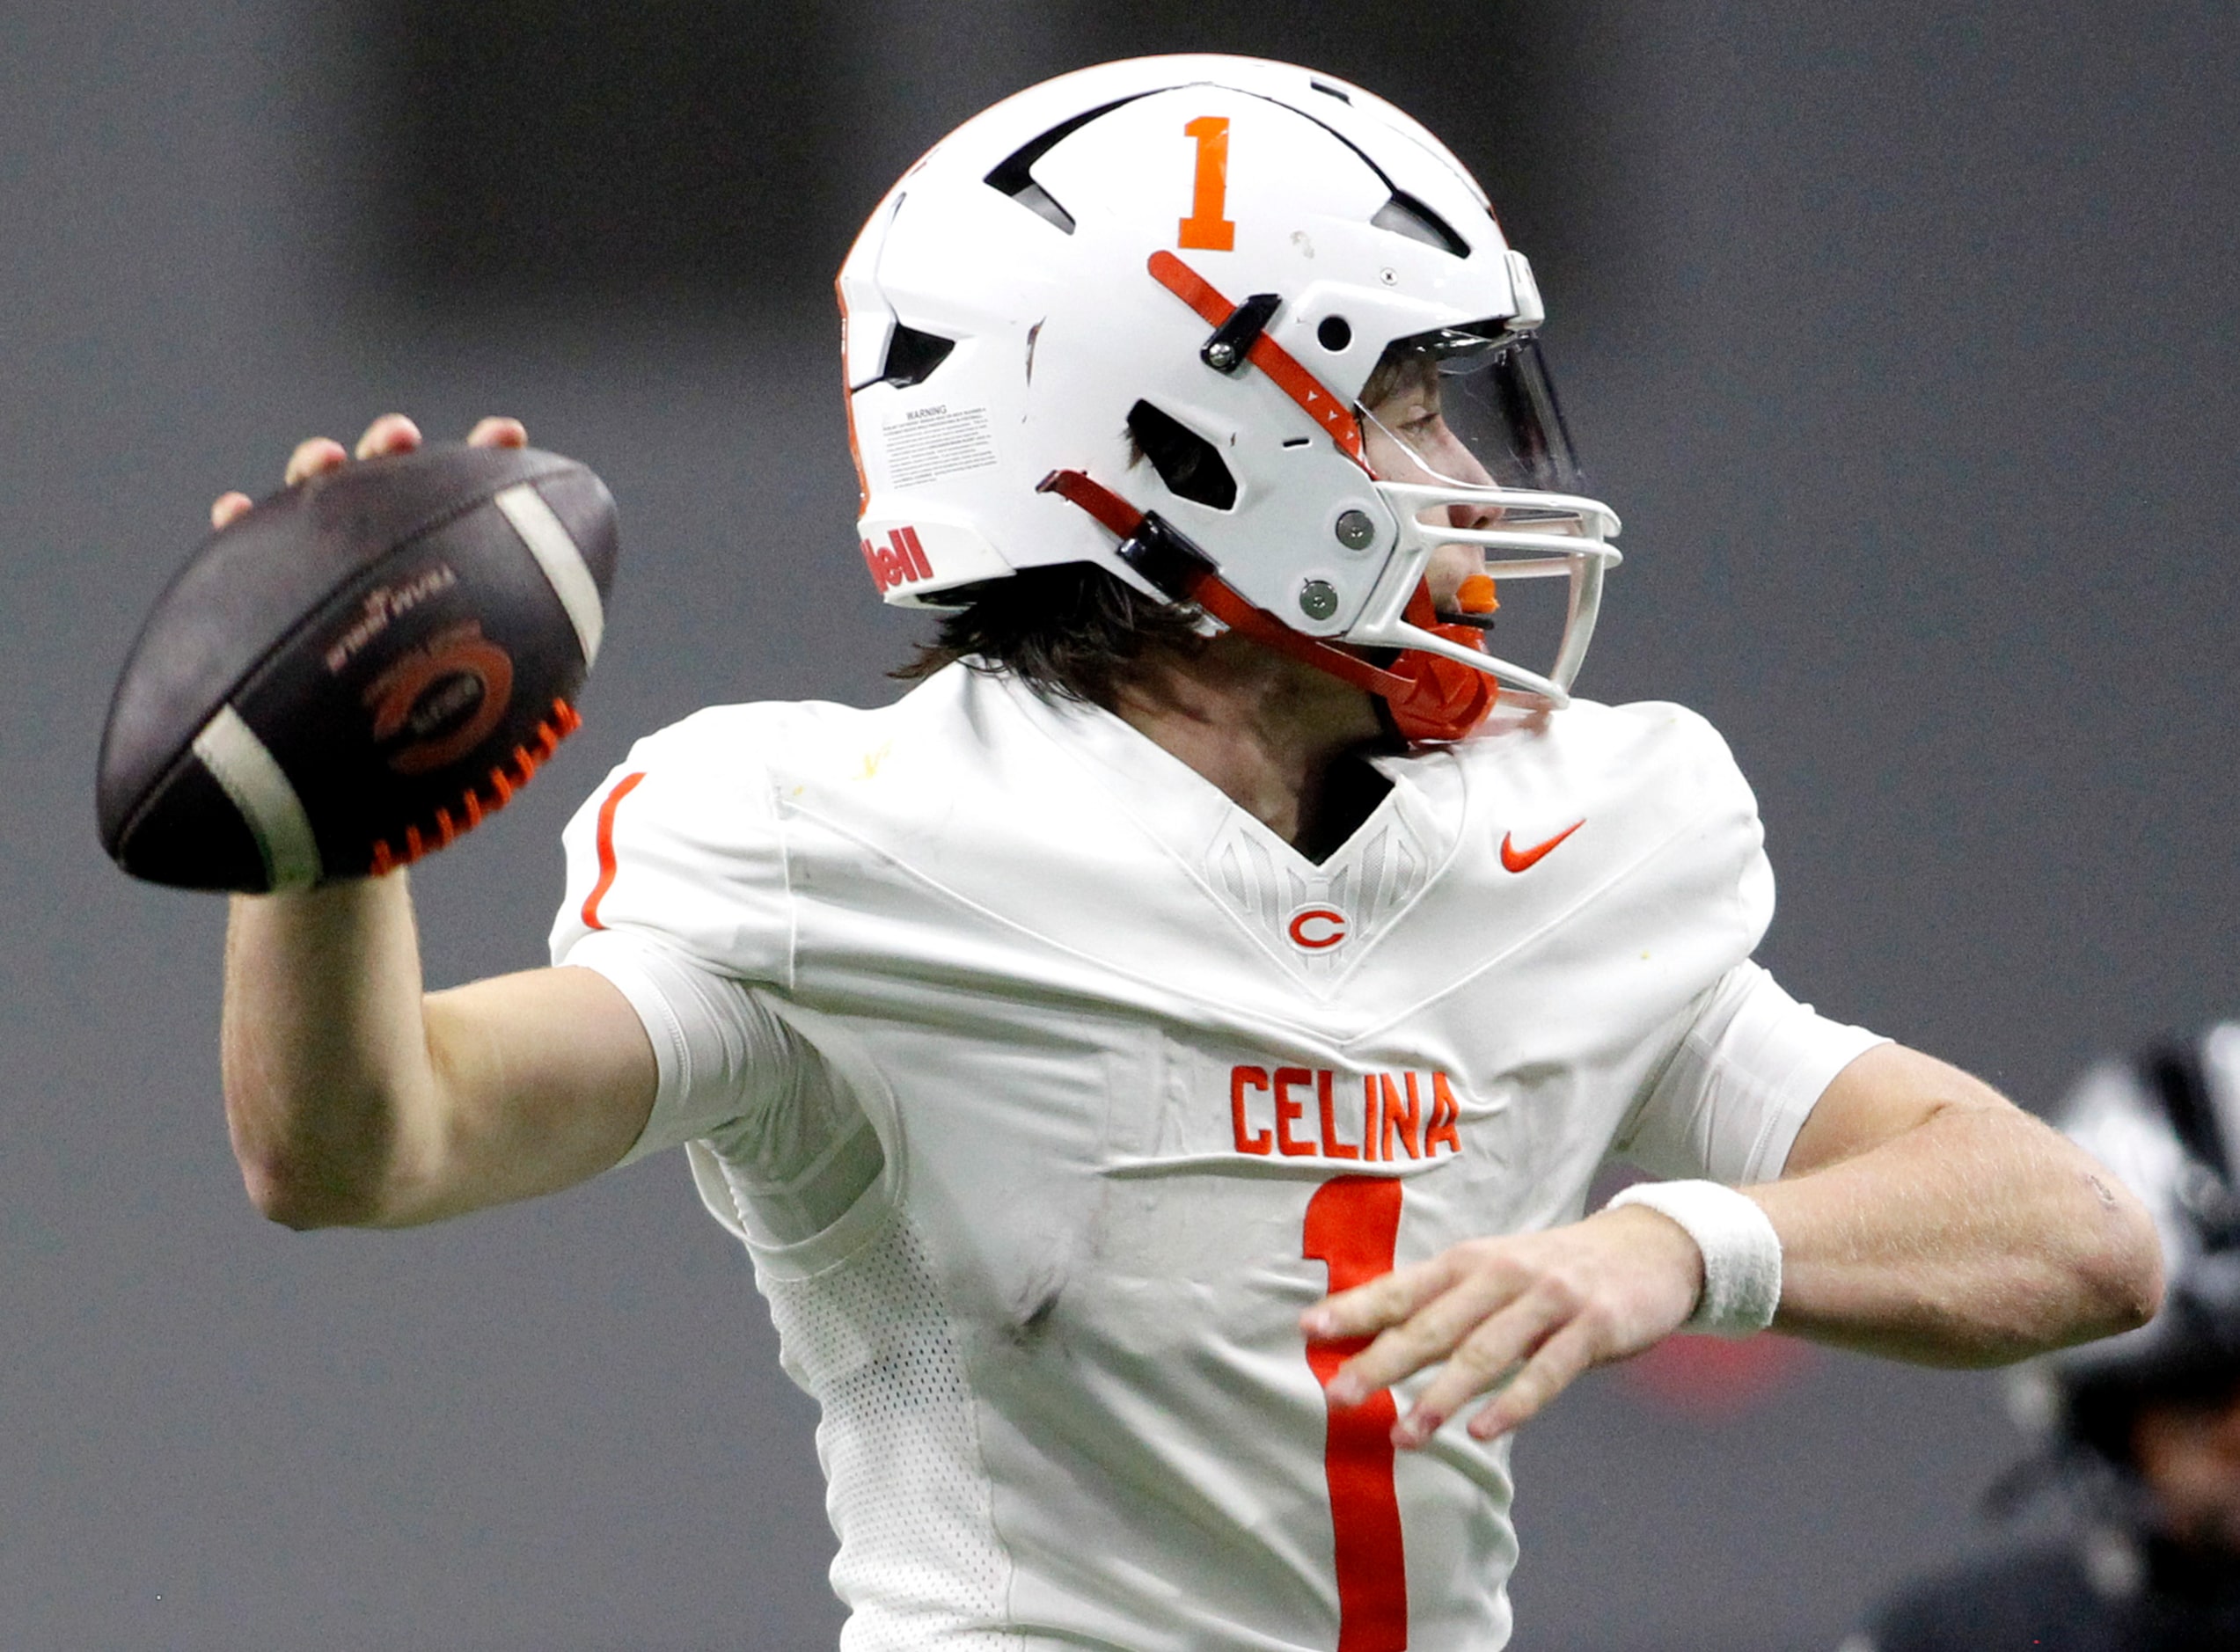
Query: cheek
[[1456, 462], [1389, 460]]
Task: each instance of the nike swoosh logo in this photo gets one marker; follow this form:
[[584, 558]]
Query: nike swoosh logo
[[1517, 860]]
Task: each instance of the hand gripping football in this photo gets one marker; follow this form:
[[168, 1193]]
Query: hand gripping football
[[357, 670]]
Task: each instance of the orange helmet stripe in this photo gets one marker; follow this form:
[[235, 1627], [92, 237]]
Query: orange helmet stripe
[[1270, 357]]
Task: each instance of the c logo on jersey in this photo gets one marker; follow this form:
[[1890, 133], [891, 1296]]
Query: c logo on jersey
[[900, 561], [1316, 928]]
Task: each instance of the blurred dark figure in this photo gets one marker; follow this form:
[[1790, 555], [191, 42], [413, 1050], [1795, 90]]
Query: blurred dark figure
[[2142, 1433]]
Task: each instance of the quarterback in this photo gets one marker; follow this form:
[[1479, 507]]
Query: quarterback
[[1156, 1067]]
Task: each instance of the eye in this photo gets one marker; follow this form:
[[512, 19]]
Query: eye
[[1423, 408]]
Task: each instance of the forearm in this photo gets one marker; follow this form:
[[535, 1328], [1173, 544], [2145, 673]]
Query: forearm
[[326, 1050], [1975, 1236], [355, 1099]]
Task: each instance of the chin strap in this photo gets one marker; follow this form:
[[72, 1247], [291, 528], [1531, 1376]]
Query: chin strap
[[1447, 699], [1432, 699]]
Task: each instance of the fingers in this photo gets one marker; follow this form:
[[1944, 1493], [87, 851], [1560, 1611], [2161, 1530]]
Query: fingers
[[1504, 1349], [311, 458], [1384, 1301], [1422, 1331], [1518, 1317], [1558, 1362], [1530, 1349], [498, 433], [391, 432]]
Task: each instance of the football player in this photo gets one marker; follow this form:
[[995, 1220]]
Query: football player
[[1156, 1067], [2141, 1432]]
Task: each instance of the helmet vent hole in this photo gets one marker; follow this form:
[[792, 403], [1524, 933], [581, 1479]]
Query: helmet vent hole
[[1013, 174], [1328, 91], [1190, 464], [911, 356], [1404, 214], [1043, 205], [1335, 334]]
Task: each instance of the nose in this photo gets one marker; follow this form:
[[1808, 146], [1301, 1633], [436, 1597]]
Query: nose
[[1453, 572], [1476, 512], [1457, 572], [1458, 464]]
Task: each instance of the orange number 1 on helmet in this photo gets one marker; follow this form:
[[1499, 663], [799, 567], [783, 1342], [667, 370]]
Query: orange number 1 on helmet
[[1353, 1226], [1205, 228]]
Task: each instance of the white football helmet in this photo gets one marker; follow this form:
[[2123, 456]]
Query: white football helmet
[[1126, 318], [2167, 1123]]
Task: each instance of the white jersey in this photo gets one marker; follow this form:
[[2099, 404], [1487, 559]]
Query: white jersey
[[1047, 1088]]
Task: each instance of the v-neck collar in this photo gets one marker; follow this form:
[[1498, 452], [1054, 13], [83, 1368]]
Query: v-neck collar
[[1171, 800], [1262, 880]]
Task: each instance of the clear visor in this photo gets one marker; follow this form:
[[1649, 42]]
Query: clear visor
[[1461, 429], [1469, 407]]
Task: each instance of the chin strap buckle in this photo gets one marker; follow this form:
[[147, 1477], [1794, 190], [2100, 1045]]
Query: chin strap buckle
[[1149, 544]]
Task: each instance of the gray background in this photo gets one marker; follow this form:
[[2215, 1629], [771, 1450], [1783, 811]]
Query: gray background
[[1903, 338]]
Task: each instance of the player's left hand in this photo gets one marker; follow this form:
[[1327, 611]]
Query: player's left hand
[[1524, 1314]]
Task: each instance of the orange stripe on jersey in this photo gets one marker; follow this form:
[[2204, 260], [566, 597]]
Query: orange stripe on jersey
[[628, 783], [1353, 1227]]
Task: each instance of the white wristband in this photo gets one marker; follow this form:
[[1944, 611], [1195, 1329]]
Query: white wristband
[[1741, 1251]]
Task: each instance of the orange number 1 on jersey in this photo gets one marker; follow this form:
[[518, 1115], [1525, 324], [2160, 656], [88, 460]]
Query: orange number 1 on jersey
[[1205, 228], [1352, 1226]]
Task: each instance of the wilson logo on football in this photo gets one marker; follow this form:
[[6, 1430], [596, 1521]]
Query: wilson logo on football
[[900, 561], [437, 703], [1316, 928], [384, 604]]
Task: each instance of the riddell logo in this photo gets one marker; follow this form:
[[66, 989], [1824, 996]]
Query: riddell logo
[[1316, 928], [900, 561], [1399, 1114]]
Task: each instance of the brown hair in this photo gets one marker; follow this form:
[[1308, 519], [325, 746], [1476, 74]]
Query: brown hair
[[1069, 631]]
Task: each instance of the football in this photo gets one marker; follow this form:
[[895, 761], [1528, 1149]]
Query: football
[[357, 670]]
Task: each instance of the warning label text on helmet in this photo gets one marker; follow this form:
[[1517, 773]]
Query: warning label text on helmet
[[928, 444]]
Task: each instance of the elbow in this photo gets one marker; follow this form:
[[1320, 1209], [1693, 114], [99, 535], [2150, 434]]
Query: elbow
[[301, 1179], [2132, 1285], [296, 1197], [2121, 1278]]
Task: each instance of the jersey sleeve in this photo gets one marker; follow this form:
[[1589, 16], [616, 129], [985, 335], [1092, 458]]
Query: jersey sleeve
[[677, 893], [681, 843], [724, 1059], [1748, 1070]]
